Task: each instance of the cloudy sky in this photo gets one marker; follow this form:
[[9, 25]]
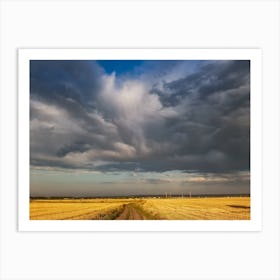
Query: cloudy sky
[[105, 128]]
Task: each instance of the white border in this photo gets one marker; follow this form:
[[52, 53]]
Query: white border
[[254, 55]]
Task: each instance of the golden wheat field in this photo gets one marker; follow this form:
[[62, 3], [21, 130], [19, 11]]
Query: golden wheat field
[[208, 208]]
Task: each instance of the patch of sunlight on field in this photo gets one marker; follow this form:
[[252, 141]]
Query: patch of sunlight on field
[[218, 208], [75, 209]]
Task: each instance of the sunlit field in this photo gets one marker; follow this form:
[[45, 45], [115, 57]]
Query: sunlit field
[[75, 209], [232, 208], [204, 208]]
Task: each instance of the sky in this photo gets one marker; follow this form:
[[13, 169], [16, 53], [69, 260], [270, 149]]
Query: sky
[[139, 127]]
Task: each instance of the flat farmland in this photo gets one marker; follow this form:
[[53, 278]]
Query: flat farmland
[[206, 208], [218, 208]]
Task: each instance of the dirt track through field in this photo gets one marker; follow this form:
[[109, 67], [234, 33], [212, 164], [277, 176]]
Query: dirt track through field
[[130, 213]]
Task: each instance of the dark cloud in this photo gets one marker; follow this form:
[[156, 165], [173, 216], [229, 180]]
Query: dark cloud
[[214, 77], [54, 80], [198, 121], [79, 147]]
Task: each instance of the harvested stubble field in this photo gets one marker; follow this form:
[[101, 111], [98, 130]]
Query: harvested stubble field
[[208, 208]]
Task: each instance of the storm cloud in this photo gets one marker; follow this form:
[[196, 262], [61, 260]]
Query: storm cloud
[[191, 116]]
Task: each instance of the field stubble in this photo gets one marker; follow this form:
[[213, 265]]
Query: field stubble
[[209, 208]]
